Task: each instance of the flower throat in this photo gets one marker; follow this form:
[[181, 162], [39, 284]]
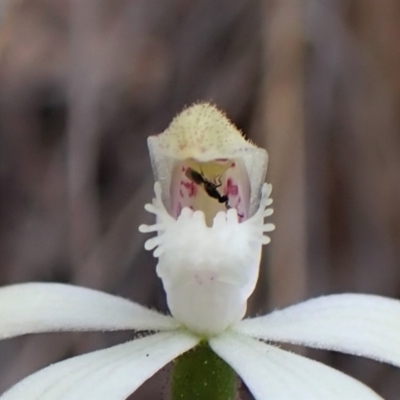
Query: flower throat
[[210, 187]]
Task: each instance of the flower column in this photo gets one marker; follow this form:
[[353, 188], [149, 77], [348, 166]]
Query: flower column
[[209, 235]]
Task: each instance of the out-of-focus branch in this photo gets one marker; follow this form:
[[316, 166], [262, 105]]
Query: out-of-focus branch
[[282, 110], [326, 40], [7, 9], [121, 243], [83, 130]]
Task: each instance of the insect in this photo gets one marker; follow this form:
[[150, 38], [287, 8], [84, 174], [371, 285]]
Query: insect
[[209, 187]]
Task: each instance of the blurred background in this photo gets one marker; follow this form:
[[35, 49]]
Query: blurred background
[[85, 82]]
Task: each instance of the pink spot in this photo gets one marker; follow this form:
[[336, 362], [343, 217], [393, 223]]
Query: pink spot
[[190, 187], [231, 188]]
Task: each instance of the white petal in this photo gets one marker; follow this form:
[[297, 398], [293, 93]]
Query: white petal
[[44, 307], [274, 374], [111, 374], [363, 325]]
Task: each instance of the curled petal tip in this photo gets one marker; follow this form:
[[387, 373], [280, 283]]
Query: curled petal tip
[[185, 213], [268, 212], [268, 227], [158, 252], [199, 216], [266, 240], [150, 208], [152, 243], [143, 228]]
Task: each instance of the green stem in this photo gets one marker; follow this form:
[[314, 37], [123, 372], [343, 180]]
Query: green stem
[[200, 374]]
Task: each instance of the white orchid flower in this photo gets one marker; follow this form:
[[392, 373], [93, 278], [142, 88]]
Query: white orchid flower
[[210, 228]]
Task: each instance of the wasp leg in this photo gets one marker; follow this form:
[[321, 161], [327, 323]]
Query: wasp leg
[[218, 181]]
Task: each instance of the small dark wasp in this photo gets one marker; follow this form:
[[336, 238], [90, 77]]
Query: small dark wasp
[[209, 187]]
